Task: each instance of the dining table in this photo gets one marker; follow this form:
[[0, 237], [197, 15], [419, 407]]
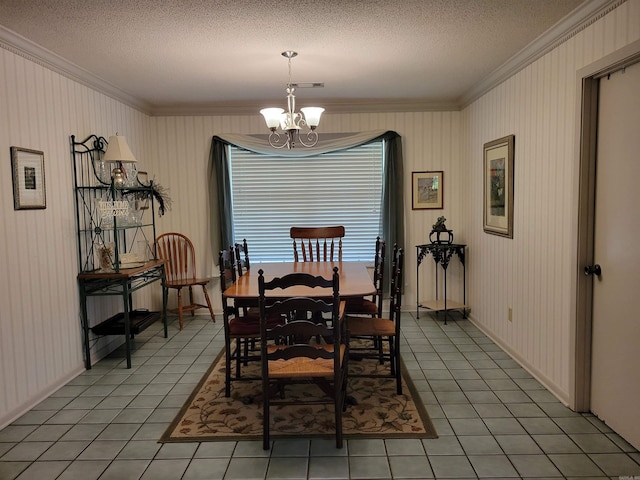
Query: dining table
[[355, 280]]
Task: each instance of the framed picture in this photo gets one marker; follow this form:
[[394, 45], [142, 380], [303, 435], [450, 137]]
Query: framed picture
[[498, 187], [427, 190], [27, 167]]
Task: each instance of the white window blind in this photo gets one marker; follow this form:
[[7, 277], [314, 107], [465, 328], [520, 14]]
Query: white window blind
[[271, 194]]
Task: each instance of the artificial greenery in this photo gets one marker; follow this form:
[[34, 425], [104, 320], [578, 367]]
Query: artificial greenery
[[160, 193], [439, 225]]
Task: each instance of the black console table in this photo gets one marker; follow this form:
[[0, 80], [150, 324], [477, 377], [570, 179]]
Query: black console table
[[122, 284], [441, 254]]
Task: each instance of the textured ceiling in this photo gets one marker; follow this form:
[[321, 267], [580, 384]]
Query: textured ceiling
[[193, 54]]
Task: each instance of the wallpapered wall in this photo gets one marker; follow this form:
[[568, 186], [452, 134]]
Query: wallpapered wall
[[40, 338], [534, 273]]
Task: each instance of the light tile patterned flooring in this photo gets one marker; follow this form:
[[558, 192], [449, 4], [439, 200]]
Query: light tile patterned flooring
[[493, 418]]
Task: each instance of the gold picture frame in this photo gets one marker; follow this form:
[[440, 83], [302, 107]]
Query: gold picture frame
[[498, 186], [27, 167], [427, 190]]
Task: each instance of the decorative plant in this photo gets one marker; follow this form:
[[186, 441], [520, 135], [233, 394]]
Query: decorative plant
[[439, 225], [160, 193]]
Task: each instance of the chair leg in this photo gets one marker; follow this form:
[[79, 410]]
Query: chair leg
[[266, 444], [193, 312], [180, 320], [392, 356], [238, 355], [227, 368], [245, 357], [397, 363], [340, 395], [380, 342], [206, 297], [338, 419]]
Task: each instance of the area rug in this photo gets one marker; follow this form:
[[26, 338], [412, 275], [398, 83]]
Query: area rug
[[374, 410]]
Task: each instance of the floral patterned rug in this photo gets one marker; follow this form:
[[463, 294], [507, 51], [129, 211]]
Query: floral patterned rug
[[374, 410]]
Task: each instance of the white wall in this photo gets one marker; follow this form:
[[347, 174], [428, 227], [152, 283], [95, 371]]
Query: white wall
[[40, 341], [535, 272]]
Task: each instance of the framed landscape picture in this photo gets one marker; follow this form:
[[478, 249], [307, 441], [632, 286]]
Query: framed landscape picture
[[27, 168], [498, 186], [427, 190]]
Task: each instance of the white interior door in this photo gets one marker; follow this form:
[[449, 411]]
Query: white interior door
[[615, 373]]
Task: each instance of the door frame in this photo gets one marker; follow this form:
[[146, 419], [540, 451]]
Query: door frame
[[586, 138]]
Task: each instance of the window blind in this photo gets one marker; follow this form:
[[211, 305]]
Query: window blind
[[270, 194]]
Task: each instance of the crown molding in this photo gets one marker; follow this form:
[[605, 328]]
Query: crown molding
[[585, 15], [23, 47], [360, 105]]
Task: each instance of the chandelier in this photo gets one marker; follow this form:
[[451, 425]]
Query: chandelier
[[291, 122]]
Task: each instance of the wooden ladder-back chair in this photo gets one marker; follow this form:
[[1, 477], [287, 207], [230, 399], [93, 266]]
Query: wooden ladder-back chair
[[242, 257], [317, 244], [180, 270], [372, 306], [382, 329], [241, 325], [301, 350], [242, 264], [237, 329], [249, 308]]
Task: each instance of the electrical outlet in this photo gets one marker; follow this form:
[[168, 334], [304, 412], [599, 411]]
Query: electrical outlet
[[510, 313]]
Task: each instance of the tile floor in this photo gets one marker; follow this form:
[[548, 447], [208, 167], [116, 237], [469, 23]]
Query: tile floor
[[493, 418]]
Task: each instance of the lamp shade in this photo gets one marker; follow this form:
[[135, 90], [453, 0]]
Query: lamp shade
[[312, 115], [272, 116], [118, 150]]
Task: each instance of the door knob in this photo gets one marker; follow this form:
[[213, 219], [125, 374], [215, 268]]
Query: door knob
[[593, 270]]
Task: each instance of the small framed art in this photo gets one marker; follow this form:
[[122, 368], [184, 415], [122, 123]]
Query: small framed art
[[498, 187], [427, 190], [27, 167]]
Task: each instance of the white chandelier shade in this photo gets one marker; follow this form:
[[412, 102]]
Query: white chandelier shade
[[312, 115], [272, 116]]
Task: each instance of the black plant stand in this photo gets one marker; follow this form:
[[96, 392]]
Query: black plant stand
[[441, 254]]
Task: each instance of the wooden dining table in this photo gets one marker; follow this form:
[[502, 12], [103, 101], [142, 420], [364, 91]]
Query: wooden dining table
[[355, 280]]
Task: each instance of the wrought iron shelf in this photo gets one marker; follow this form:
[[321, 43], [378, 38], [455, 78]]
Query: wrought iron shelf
[[118, 221], [441, 254]]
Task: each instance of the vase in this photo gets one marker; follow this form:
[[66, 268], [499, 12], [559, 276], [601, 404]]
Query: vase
[[105, 256], [118, 178]]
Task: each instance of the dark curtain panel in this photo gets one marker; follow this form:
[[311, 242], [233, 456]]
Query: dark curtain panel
[[392, 218], [220, 197]]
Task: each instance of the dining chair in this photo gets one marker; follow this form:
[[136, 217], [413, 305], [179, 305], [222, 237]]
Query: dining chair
[[180, 272], [241, 325], [249, 308], [301, 350], [242, 257], [317, 244], [372, 305], [381, 330]]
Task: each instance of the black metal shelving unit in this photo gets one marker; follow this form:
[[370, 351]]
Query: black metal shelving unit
[[116, 230]]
